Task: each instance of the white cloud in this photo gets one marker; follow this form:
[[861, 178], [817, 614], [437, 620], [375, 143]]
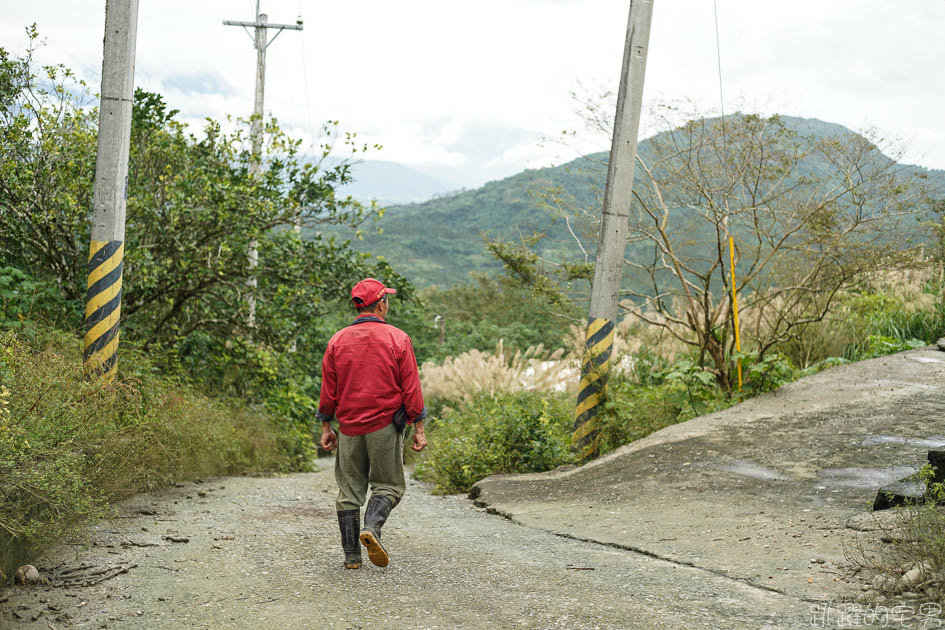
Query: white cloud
[[470, 87], [528, 155]]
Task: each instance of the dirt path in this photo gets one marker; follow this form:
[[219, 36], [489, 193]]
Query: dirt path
[[264, 552]]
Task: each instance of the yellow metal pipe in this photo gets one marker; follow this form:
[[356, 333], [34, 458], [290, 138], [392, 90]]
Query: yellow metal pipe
[[738, 343]]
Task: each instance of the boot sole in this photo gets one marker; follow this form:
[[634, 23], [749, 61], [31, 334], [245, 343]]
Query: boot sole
[[352, 565], [376, 552]]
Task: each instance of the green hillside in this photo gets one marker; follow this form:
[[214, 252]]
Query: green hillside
[[440, 241]]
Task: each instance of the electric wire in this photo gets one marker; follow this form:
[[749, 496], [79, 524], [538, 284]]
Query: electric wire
[[718, 58], [308, 102]]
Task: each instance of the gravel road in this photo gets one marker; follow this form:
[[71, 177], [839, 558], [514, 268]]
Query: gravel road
[[266, 552], [738, 519]]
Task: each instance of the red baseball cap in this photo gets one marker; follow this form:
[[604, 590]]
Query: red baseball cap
[[369, 291]]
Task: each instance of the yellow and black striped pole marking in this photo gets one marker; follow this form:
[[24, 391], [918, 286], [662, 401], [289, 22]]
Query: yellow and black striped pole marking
[[598, 348], [103, 309]]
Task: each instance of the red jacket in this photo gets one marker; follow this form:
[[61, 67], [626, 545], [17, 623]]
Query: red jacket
[[368, 372]]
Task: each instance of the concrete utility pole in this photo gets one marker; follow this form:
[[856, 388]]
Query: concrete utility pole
[[103, 297], [602, 316], [261, 42]]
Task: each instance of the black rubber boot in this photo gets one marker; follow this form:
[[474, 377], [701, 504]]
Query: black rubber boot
[[378, 508], [348, 523]]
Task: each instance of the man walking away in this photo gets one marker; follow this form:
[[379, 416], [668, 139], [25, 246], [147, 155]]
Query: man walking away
[[371, 384]]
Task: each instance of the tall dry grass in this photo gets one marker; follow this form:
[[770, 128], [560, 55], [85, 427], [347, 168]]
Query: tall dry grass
[[914, 288], [460, 378]]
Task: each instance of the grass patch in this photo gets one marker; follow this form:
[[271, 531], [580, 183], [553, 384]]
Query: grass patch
[[69, 448], [497, 433], [632, 412], [900, 329]]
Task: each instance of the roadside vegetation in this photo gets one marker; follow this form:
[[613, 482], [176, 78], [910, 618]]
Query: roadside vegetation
[[200, 390], [838, 258], [70, 448], [656, 380]]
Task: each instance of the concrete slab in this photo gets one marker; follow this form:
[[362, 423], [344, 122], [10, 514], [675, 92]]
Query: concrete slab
[[761, 492]]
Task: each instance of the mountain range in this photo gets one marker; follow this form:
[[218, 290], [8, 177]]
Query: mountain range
[[441, 240]]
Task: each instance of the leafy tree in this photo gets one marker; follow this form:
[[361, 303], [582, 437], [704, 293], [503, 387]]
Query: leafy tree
[[193, 209], [47, 157], [481, 313]]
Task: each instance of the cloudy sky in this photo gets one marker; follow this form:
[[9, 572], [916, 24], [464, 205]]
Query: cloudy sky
[[465, 91]]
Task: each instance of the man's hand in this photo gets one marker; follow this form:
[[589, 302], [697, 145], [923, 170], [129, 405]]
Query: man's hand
[[419, 437], [329, 440]]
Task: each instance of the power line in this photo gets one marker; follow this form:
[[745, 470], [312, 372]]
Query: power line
[[308, 102], [718, 57]]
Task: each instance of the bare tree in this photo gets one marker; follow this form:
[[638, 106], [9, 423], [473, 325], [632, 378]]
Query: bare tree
[[812, 208]]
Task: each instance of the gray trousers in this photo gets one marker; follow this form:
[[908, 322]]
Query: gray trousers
[[375, 458]]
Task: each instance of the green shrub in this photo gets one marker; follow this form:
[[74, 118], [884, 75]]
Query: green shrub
[[24, 300], [891, 328], [860, 316], [70, 448], [927, 325], [695, 385], [766, 375], [881, 345], [497, 433], [631, 412]]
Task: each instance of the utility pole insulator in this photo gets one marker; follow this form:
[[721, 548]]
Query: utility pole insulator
[[103, 297], [608, 271]]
